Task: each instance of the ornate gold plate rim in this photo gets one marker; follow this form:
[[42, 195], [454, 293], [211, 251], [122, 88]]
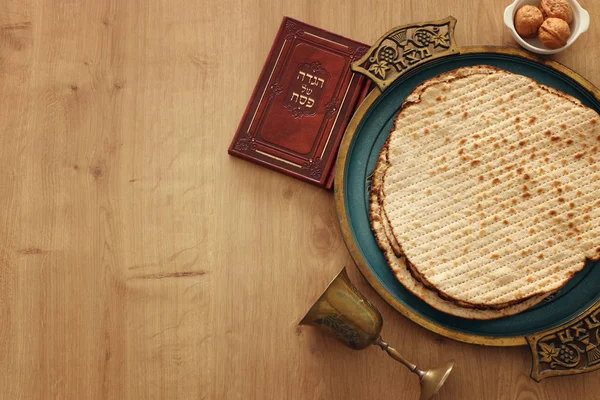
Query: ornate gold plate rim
[[344, 222]]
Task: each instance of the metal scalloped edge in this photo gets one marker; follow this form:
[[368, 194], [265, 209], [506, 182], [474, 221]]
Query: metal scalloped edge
[[405, 48], [570, 349], [353, 248]]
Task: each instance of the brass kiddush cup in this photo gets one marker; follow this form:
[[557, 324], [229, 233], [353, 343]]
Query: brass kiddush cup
[[346, 314]]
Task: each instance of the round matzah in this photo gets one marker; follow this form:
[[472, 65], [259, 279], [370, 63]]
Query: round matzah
[[493, 185], [400, 270]]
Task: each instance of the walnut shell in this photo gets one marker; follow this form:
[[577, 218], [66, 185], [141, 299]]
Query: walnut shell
[[557, 9], [554, 33], [528, 20]]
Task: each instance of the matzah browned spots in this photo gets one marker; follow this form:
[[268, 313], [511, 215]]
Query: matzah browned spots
[[431, 200], [402, 273]]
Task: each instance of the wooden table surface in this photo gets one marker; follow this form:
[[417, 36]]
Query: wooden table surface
[[139, 261]]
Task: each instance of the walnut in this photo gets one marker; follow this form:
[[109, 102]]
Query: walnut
[[557, 9], [528, 20], [554, 33]]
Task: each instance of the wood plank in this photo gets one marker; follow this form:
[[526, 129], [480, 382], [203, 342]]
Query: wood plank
[[139, 261]]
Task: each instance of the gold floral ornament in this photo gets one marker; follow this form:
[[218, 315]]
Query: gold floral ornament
[[441, 39], [548, 352], [379, 68], [406, 47]]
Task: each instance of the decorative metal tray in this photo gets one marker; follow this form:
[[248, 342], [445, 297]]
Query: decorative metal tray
[[564, 331]]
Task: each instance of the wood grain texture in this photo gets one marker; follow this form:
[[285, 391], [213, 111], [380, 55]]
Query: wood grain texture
[[139, 261]]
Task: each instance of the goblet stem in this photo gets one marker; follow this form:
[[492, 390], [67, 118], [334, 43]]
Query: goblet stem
[[398, 357], [431, 380]]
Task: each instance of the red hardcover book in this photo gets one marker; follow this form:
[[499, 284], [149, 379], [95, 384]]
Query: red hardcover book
[[304, 98]]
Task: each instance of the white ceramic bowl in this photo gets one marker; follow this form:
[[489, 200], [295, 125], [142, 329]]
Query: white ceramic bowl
[[580, 24]]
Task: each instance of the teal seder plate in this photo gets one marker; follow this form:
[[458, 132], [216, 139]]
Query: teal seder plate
[[358, 155]]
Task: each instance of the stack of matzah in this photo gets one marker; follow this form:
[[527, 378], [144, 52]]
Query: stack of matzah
[[486, 196]]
